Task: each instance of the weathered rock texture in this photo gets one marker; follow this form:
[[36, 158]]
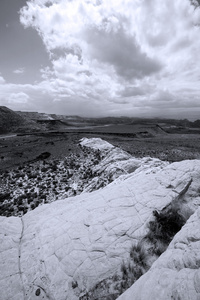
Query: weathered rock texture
[[115, 162], [176, 273], [63, 249]]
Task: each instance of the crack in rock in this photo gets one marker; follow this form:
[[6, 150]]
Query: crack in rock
[[19, 256]]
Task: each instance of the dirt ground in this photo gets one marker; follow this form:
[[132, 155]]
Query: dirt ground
[[19, 150], [172, 147]]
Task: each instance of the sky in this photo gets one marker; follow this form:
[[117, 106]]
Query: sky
[[93, 58]]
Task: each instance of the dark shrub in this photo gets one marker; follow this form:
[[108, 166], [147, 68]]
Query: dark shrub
[[32, 205], [165, 225], [4, 196]]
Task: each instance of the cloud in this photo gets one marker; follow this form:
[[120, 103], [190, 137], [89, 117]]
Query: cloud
[[132, 91], [118, 56], [18, 98], [122, 52], [2, 80], [91, 30], [19, 71]]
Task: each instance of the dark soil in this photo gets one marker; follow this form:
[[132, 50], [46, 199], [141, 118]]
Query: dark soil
[[19, 150]]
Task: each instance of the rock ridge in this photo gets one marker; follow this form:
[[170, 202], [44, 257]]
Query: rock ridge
[[69, 246]]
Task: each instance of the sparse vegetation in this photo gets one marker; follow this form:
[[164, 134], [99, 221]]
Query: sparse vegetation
[[31, 185], [161, 230], [165, 226], [135, 267]]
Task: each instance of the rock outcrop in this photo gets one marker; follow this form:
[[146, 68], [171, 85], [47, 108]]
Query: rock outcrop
[[62, 250], [115, 162]]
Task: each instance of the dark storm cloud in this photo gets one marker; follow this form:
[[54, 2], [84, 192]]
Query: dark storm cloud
[[122, 52], [132, 91]]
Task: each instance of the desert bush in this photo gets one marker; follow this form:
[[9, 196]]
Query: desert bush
[[21, 207], [37, 202], [165, 225], [74, 284], [54, 168], [17, 175], [32, 176], [32, 206], [159, 247], [20, 201], [11, 209], [138, 254], [130, 273], [135, 268], [4, 196], [124, 270], [44, 169], [29, 200]]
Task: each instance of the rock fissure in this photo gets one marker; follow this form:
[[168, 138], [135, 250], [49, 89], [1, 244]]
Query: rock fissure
[[134, 205], [19, 258], [185, 189]]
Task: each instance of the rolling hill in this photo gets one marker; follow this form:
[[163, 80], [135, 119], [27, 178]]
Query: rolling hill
[[9, 120]]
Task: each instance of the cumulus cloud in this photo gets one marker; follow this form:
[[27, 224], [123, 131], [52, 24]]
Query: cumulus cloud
[[125, 56], [18, 98]]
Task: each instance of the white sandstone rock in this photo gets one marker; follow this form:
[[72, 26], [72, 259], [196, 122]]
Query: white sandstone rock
[[61, 250], [116, 163], [96, 144]]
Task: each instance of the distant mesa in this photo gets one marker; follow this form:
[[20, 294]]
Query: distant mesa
[[30, 122], [18, 121]]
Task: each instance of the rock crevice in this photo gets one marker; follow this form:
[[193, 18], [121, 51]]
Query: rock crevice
[[19, 257]]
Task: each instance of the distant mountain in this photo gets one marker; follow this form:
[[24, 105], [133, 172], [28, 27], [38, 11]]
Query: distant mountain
[[26, 122], [34, 115]]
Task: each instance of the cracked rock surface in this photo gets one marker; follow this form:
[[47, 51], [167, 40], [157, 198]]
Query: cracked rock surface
[[62, 250]]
